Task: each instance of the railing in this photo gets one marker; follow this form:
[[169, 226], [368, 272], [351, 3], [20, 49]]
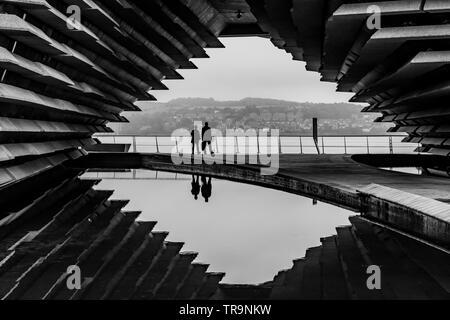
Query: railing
[[135, 174], [287, 144]]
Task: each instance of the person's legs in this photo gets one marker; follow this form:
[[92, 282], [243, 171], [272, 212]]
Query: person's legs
[[198, 147], [210, 148]]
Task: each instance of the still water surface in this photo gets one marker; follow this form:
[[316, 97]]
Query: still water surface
[[248, 232]]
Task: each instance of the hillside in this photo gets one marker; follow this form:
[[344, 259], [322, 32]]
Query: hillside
[[288, 116]]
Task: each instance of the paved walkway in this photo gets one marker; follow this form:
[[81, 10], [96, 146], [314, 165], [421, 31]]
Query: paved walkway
[[342, 172]]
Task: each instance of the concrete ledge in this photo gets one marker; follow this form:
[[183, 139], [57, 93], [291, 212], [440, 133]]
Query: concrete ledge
[[426, 218]]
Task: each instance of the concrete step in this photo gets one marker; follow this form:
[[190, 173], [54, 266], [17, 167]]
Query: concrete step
[[334, 286], [38, 214], [242, 292], [193, 282], [23, 194], [104, 256], [433, 261], [91, 262], [39, 281], [287, 284], [354, 266], [158, 271], [395, 280], [312, 282], [294, 279], [278, 285], [92, 258], [108, 273], [51, 236], [167, 288], [401, 277], [140, 264], [70, 208], [209, 287]]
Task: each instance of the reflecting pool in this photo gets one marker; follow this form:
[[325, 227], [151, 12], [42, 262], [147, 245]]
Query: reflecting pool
[[249, 232]]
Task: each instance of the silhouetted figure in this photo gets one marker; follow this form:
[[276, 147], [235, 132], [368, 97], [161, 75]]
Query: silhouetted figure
[[206, 188], [195, 187], [195, 140], [207, 138]]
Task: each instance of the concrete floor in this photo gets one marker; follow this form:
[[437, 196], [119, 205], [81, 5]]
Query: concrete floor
[[343, 172]]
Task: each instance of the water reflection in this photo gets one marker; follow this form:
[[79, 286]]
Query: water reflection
[[206, 187], [248, 232], [195, 187]]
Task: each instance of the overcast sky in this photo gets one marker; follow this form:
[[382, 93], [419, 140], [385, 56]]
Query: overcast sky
[[250, 67]]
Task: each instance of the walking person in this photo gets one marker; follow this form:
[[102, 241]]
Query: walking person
[[207, 138], [195, 140]]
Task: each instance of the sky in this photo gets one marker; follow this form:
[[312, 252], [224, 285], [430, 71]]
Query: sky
[[251, 67]]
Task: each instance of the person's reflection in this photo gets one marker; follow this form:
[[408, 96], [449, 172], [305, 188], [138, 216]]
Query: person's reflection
[[195, 186], [206, 188]]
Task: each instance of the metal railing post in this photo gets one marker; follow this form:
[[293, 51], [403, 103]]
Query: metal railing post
[[345, 145], [301, 146], [279, 145], [217, 145], [368, 148], [391, 147], [257, 143], [157, 145], [323, 145]]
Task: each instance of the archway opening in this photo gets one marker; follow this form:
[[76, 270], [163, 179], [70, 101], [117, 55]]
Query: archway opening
[[251, 73]]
